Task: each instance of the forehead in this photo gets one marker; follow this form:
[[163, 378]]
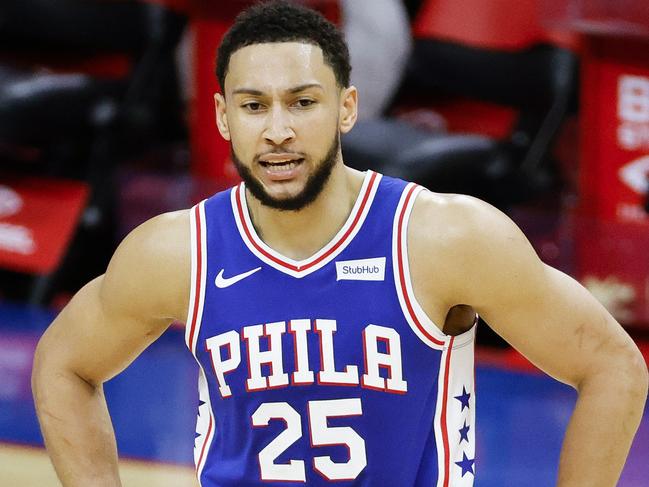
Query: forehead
[[278, 66]]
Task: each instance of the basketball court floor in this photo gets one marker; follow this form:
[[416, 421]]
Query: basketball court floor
[[521, 416]]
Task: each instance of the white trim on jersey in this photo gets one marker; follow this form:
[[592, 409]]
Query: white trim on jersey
[[198, 276], [454, 422], [205, 426], [456, 369], [439, 421], [427, 331], [301, 268]]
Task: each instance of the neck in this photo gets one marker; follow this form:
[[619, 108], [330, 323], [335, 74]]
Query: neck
[[300, 234]]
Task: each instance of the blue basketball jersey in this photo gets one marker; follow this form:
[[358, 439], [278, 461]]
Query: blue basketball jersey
[[326, 369]]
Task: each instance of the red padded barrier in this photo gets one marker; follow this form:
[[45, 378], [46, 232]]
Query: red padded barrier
[[38, 218], [495, 24]]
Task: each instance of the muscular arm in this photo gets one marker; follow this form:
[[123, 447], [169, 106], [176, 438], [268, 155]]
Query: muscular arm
[[105, 326], [488, 263]]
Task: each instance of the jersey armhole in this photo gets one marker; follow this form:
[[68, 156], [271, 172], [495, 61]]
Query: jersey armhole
[[198, 234], [420, 323]]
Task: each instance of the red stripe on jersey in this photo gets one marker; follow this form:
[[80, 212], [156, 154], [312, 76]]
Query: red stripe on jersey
[[307, 265], [199, 278], [402, 277], [207, 438], [447, 462]]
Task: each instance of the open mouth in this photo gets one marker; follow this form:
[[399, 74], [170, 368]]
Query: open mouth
[[281, 165]]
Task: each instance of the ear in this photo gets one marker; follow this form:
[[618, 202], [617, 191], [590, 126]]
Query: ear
[[221, 116], [348, 109]]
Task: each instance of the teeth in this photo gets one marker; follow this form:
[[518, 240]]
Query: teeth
[[282, 166], [279, 161]]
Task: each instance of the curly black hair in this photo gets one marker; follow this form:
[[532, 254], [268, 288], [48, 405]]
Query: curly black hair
[[281, 21]]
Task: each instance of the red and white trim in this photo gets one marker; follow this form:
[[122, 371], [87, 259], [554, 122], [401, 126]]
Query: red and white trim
[[456, 375], [420, 323], [456, 370], [301, 268], [440, 422], [205, 426], [198, 275]]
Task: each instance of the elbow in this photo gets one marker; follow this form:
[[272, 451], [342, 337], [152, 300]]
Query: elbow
[[632, 375], [640, 366], [46, 370], [623, 374], [37, 380], [53, 372]]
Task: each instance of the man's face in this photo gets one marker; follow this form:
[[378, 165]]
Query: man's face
[[283, 113]]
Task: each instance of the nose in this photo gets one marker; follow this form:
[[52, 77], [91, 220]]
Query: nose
[[278, 129]]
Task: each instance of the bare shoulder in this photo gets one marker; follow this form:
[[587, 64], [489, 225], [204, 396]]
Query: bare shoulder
[[150, 270], [462, 238], [454, 219]]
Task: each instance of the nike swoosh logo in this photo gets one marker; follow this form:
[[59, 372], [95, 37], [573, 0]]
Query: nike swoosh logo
[[223, 282]]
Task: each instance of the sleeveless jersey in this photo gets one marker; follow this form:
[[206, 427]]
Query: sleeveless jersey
[[326, 369]]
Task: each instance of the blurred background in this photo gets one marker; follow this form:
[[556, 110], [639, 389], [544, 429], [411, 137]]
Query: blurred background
[[540, 107]]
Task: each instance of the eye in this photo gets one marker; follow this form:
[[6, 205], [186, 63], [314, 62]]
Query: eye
[[304, 102], [253, 106]]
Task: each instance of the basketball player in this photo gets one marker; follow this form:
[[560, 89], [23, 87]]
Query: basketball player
[[331, 312]]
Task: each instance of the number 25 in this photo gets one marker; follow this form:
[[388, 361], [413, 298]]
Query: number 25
[[321, 435]]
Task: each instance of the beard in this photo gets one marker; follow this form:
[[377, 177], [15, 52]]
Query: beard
[[312, 188]]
